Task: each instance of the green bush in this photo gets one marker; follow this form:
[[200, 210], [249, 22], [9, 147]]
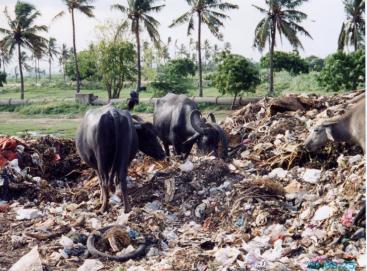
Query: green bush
[[54, 108], [87, 66], [235, 74], [116, 63], [343, 71], [314, 63], [174, 77], [284, 82], [290, 62]]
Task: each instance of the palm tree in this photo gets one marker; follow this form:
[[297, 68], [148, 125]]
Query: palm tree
[[138, 11], [52, 52], [85, 7], [64, 56], [207, 12], [352, 32], [37, 54], [23, 33], [280, 15], [207, 54], [25, 58], [4, 58]]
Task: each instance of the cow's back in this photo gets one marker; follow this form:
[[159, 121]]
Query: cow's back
[[171, 114], [97, 138]]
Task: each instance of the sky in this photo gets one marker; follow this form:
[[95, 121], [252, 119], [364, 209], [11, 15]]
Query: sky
[[324, 21]]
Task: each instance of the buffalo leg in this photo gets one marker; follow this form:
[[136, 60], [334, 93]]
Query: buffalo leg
[[177, 146], [104, 178], [166, 148], [100, 186], [123, 182], [118, 187], [104, 198], [187, 150]]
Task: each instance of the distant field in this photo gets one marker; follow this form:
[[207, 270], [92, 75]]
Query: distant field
[[13, 123], [61, 118], [58, 89]]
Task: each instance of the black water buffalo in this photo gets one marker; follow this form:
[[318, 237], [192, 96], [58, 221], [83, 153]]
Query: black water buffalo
[[108, 140], [178, 122]]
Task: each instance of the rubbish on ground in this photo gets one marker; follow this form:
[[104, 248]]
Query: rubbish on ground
[[311, 175], [28, 214], [91, 265], [323, 213], [271, 206], [29, 262]]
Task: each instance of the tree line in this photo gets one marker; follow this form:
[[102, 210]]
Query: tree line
[[281, 18]]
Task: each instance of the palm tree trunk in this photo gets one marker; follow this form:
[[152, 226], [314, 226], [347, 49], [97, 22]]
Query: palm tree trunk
[[38, 69], [21, 73], [63, 71], [49, 69], [138, 65], [271, 54], [3, 65], [35, 68], [199, 56], [75, 55], [355, 39]]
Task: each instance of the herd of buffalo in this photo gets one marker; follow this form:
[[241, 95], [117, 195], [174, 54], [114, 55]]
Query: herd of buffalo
[[108, 138]]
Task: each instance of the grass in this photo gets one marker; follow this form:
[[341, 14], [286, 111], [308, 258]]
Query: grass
[[285, 83], [62, 118], [65, 125], [58, 89], [15, 124]]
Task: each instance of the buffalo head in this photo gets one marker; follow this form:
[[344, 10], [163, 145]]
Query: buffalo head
[[148, 139], [319, 136], [210, 136]]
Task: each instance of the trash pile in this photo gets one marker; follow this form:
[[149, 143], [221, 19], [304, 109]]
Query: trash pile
[[271, 206]]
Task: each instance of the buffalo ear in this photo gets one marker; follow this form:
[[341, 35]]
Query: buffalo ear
[[329, 133]]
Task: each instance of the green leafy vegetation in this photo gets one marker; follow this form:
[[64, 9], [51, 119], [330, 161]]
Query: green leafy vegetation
[[210, 13], [174, 77], [314, 63], [343, 71], [23, 33], [235, 74], [282, 17], [353, 28], [290, 62], [87, 63], [116, 64]]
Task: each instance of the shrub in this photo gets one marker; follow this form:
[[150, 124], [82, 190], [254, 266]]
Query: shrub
[[343, 71], [87, 66], [116, 62], [174, 77], [235, 74], [314, 63], [290, 62]]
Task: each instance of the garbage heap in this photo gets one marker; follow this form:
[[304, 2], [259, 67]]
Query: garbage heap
[[271, 206]]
